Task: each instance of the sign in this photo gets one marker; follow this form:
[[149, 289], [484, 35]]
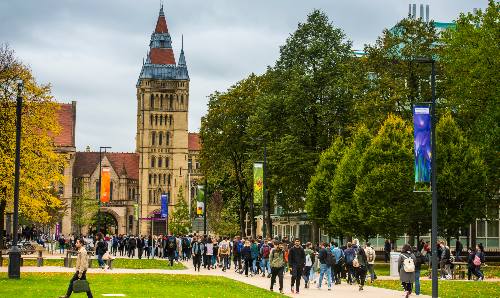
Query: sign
[[198, 224], [105, 184], [164, 205], [200, 208], [258, 183], [422, 143], [136, 211]]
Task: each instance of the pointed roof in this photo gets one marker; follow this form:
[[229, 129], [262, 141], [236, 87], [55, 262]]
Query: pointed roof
[[182, 59], [87, 162], [161, 23], [161, 44]]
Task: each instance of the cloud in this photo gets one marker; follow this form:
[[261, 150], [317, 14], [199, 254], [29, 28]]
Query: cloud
[[91, 51]]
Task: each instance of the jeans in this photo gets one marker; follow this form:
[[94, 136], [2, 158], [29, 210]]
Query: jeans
[[197, 261], [100, 260], [350, 273], [296, 276], [225, 262], [373, 276], [75, 277], [265, 265], [407, 286], [479, 273], [248, 263], [277, 272], [417, 282], [325, 269], [254, 265], [338, 273], [361, 275], [307, 274]]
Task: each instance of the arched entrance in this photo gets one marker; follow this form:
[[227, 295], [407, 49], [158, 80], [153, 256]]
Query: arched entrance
[[157, 224], [108, 224]]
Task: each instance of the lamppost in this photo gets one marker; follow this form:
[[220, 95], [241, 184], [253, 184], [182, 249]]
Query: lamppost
[[433, 176], [99, 209], [15, 253]]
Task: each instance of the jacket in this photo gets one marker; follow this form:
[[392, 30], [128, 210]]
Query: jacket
[[370, 255], [82, 260], [224, 248], [246, 253], [198, 248], [277, 258], [296, 257], [255, 250], [101, 247], [403, 275], [322, 256]]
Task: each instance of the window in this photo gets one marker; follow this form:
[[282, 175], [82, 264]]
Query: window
[[169, 180], [160, 138], [111, 190], [151, 119], [488, 233], [180, 171], [182, 99], [167, 162], [154, 179], [190, 165], [161, 101], [160, 160], [161, 120], [153, 138], [152, 102], [150, 176], [197, 164], [164, 179], [171, 102], [129, 194], [130, 224], [153, 161], [150, 196], [167, 141], [170, 120]]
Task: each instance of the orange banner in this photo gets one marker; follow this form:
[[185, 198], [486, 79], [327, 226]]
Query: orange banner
[[105, 184]]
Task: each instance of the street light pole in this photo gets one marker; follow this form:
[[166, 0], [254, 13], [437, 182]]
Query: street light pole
[[205, 208], [264, 190], [15, 253], [99, 187], [434, 185]]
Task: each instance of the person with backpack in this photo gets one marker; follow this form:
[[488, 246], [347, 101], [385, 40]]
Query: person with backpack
[[171, 249], [265, 250], [185, 247], [349, 258], [246, 255], [131, 247], [326, 260], [277, 261], [114, 245], [370, 256], [420, 260], [224, 251], [362, 264], [445, 261], [101, 249], [254, 248], [339, 263], [209, 252], [197, 251], [309, 253], [478, 261], [406, 267], [237, 246], [297, 261]]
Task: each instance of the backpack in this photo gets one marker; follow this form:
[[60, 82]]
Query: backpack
[[371, 255], [185, 243], [355, 262], [171, 243], [408, 264], [477, 261], [265, 251], [330, 258], [308, 260], [224, 247]]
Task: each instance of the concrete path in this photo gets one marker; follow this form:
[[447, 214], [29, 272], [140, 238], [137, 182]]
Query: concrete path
[[343, 290]]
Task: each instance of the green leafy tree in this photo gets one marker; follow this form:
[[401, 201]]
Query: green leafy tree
[[462, 177], [83, 209], [471, 59], [179, 222]]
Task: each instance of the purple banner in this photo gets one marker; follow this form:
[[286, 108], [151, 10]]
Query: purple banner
[[164, 205], [422, 141]]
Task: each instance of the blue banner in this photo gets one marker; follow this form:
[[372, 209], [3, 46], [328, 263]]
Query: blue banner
[[422, 141], [164, 205]]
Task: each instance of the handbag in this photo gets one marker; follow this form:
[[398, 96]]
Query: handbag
[[81, 286]]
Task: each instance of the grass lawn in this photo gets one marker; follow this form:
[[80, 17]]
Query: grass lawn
[[117, 263], [489, 271], [452, 289], [41, 285]]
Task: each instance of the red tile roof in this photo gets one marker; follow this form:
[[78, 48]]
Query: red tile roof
[[162, 56], [123, 163], [66, 115], [194, 141], [161, 25]]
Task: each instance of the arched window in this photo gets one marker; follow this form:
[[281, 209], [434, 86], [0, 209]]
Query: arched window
[[150, 177], [164, 179], [161, 120], [160, 138], [151, 119], [153, 161], [167, 162], [154, 179], [171, 102], [160, 161], [150, 196], [161, 101], [167, 137], [168, 180], [153, 138], [111, 190], [170, 119], [182, 99], [152, 102], [156, 120]]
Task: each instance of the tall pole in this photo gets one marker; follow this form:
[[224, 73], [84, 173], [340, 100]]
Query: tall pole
[[15, 253], [434, 186], [205, 208], [99, 188], [264, 189]]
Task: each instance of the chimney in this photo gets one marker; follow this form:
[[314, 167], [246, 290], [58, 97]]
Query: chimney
[[409, 10], [427, 13], [421, 12], [414, 12]]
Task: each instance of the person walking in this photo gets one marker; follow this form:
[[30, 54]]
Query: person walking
[[254, 248], [140, 247], [478, 261], [296, 261], [406, 268], [237, 246], [325, 258], [114, 245], [370, 256], [265, 251], [171, 248], [445, 261], [362, 267], [309, 261], [131, 247], [101, 248], [387, 250], [62, 244], [82, 264], [197, 251], [458, 250], [350, 254], [339, 263], [246, 255], [209, 251], [420, 260], [224, 251], [277, 261]]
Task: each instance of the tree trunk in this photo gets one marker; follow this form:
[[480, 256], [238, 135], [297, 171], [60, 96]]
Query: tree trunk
[[268, 215], [3, 205], [242, 215]]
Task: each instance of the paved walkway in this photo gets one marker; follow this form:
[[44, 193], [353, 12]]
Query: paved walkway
[[343, 290]]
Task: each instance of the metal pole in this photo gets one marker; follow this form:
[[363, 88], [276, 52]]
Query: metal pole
[[205, 208], [264, 189], [434, 186], [15, 253], [99, 188]]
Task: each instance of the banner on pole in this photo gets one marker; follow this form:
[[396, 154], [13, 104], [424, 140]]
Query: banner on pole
[[105, 184], [200, 206], [136, 211], [164, 205], [258, 183], [200, 195], [422, 143]]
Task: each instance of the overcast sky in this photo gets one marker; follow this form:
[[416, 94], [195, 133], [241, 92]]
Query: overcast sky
[[91, 51]]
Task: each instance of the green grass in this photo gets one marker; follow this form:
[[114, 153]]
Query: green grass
[[117, 263], [42, 285], [489, 271], [451, 289]]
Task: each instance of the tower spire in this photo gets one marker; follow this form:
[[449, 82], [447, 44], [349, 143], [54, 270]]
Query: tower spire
[[182, 58]]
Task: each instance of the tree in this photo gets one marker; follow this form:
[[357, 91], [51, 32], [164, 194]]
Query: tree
[[83, 209], [40, 164], [462, 179], [471, 59], [180, 223], [319, 191]]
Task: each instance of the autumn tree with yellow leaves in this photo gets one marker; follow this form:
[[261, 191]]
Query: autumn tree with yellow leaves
[[41, 166]]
